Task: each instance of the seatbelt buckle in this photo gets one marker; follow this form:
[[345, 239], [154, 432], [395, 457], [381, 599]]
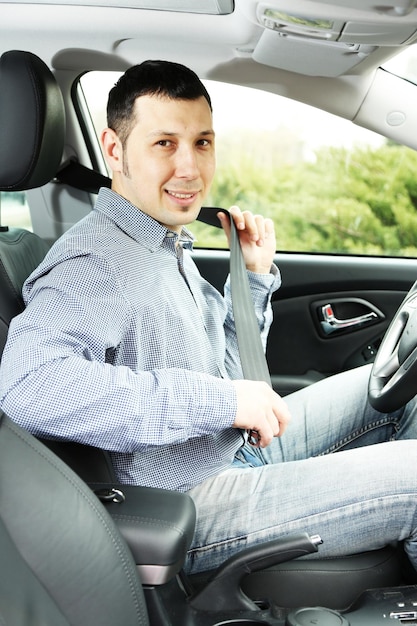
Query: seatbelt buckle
[[254, 438]]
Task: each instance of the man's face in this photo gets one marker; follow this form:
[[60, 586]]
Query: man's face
[[168, 162]]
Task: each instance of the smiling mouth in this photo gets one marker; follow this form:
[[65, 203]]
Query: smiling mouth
[[181, 196]]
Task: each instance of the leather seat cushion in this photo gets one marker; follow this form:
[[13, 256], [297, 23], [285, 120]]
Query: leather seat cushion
[[335, 583]]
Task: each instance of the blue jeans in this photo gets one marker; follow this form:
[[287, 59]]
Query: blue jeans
[[361, 498]]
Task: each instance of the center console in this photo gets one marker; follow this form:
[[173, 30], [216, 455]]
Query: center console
[[158, 526], [379, 607]]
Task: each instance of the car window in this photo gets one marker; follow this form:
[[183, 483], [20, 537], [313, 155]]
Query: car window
[[14, 210], [329, 186]]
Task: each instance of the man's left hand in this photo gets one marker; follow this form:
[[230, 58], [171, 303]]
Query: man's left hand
[[257, 238]]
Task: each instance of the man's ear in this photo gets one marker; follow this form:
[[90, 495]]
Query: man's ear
[[112, 149]]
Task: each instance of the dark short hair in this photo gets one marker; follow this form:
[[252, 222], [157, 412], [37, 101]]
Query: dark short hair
[[150, 78]]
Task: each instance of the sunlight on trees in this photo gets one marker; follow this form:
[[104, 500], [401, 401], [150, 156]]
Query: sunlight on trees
[[361, 201]]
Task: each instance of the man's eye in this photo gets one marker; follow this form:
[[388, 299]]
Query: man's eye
[[164, 143], [204, 142]]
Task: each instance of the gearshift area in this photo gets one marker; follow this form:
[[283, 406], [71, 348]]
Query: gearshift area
[[376, 607], [222, 602]]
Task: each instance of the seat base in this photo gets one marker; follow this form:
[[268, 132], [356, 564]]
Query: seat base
[[334, 583]]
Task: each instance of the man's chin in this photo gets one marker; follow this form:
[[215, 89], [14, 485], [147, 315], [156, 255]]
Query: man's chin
[[187, 214], [181, 216]]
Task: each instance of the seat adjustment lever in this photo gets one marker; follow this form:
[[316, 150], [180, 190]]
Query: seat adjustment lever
[[223, 590]]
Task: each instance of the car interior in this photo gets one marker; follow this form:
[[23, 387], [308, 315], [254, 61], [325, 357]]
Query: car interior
[[79, 548]]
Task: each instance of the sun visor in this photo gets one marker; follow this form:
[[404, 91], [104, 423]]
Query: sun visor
[[310, 57]]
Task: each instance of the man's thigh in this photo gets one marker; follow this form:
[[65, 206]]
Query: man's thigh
[[331, 415], [356, 500]]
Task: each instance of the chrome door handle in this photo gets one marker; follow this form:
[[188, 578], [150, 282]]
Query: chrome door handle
[[330, 323]]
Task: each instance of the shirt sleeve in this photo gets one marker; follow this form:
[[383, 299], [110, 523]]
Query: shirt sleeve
[[55, 380], [262, 286]]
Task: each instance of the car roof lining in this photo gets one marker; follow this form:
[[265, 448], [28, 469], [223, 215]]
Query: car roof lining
[[206, 7], [220, 46]]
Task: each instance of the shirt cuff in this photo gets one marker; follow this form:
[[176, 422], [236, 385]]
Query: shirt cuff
[[264, 284]]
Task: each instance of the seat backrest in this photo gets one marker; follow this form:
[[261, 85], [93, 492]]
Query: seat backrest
[[20, 253], [32, 132], [63, 560]]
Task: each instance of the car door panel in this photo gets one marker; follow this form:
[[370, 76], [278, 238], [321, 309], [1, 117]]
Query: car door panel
[[299, 352]]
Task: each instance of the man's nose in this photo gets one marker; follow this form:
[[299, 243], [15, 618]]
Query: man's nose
[[186, 164]]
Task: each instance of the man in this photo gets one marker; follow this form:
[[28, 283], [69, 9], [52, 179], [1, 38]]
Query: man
[[124, 346]]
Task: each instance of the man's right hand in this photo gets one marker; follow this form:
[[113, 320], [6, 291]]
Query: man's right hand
[[260, 409]]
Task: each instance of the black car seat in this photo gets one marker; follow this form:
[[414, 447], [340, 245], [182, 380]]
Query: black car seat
[[32, 125], [63, 560], [32, 133], [20, 253]]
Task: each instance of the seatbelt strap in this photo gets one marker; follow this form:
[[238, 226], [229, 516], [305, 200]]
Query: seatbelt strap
[[74, 174], [251, 352]]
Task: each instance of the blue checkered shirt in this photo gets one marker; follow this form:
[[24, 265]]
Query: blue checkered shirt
[[124, 346]]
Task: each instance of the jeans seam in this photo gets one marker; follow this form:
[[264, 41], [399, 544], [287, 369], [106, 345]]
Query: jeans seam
[[357, 434]]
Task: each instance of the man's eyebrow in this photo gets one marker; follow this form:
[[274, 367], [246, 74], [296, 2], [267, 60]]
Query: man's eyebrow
[[167, 133]]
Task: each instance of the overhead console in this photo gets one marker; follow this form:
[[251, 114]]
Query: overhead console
[[328, 38]]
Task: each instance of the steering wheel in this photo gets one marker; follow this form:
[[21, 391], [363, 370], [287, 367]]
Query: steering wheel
[[393, 379]]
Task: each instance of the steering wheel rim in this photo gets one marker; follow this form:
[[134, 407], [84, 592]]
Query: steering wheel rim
[[393, 378]]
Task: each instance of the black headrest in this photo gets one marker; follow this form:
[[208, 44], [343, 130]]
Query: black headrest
[[32, 122]]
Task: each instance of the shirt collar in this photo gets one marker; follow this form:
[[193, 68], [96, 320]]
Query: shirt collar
[[137, 224]]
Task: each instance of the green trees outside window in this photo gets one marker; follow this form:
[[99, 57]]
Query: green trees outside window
[[360, 201]]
